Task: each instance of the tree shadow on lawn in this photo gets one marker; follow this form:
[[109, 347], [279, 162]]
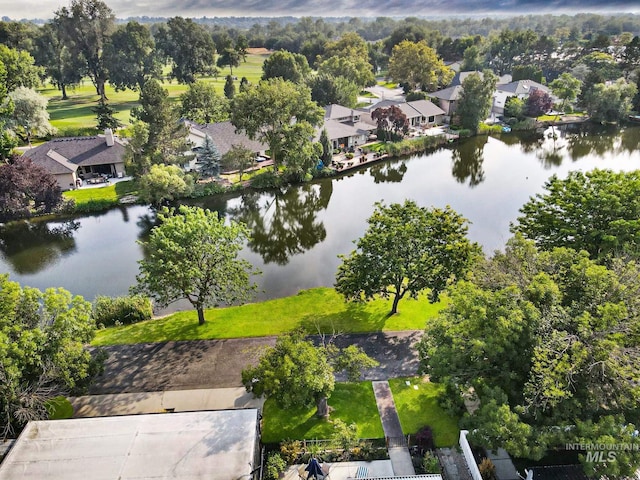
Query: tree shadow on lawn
[[354, 318]]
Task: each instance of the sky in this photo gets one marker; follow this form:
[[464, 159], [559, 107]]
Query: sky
[[30, 9]]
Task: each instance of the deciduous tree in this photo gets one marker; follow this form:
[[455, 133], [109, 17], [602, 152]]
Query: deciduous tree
[[42, 338], [238, 158], [567, 88], [476, 99], [610, 103], [189, 46], [131, 58], [406, 249], [202, 104], [286, 65], [296, 373], [193, 255], [26, 189], [327, 90], [539, 102], [19, 68], [87, 25], [597, 211], [269, 110], [418, 65], [29, 116], [164, 183]]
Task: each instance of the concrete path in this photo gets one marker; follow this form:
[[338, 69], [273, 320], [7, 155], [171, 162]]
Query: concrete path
[[453, 463], [399, 455], [188, 365], [157, 402]]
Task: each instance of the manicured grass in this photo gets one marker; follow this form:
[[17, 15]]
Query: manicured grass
[[59, 407], [386, 84], [419, 407], [109, 192], [351, 403], [317, 308], [75, 115], [367, 94]]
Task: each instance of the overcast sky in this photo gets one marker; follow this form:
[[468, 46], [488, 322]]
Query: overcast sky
[[19, 9]]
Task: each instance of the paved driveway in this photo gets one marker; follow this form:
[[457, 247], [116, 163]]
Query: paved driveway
[[218, 363]]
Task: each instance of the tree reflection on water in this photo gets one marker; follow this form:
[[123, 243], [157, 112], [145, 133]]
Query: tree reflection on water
[[33, 246]]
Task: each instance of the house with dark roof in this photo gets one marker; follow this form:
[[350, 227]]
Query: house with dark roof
[[346, 127], [224, 136], [72, 158], [448, 99]]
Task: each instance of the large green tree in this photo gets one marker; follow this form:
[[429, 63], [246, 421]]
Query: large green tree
[[476, 99], [131, 58], [87, 25], [406, 250], [286, 65], [274, 110], [42, 354], [296, 373], [189, 46], [158, 136], [567, 88], [164, 183], [418, 65], [327, 89], [597, 211], [19, 69], [193, 255], [63, 67], [201, 104], [610, 103], [547, 341]]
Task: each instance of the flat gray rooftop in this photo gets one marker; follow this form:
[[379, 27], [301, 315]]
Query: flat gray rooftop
[[216, 445]]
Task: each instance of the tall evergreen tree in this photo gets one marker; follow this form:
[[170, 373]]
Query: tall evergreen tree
[[105, 116], [229, 88], [209, 158], [327, 150]]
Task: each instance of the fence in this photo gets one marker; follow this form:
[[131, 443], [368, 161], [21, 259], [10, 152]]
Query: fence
[[468, 456]]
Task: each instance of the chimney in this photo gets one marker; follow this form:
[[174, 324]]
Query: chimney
[[108, 137]]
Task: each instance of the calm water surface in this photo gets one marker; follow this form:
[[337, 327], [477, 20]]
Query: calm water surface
[[299, 232]]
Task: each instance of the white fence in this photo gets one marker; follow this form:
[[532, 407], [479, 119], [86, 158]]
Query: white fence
[[468, 456]]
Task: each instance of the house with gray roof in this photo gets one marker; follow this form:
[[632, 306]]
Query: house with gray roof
[[224, 136], [346, 127], [72, 158], [448, 98]]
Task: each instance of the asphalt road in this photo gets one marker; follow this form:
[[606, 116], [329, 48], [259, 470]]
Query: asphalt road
[[218, 363]]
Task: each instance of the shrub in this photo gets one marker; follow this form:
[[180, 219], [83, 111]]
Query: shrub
[[108, 311], [344, 436], [424, 438], [430, 463], [265, 180], [464, 132], [349, 155], [526, 124], [97, 205], [487, 469], [209, 188], [291, 450], [275, 466]]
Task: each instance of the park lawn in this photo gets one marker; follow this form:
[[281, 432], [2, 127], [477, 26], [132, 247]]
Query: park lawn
[[111, 192], [351, 403], [75, 115], [318, 309], [419, 407]]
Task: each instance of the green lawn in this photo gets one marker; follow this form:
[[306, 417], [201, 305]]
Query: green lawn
[[419, 407], [317, 308], [75, 115], [110, 193], [351, 403]]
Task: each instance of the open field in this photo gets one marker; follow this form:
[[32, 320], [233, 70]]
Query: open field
[[318, 309], [75, 115]]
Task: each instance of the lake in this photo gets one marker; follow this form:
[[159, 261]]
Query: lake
[[298, 233]]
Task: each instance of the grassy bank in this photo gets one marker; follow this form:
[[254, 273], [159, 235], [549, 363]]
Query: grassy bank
[[75, 115], [351, 403], [418, 407], [100, 198], [315, 309]]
